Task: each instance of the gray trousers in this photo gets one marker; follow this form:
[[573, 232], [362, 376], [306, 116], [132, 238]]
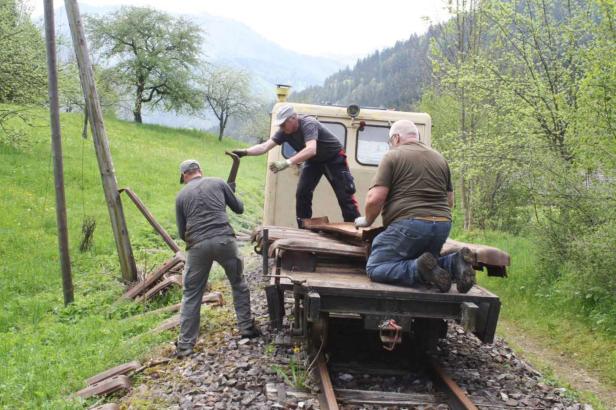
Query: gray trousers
[[199, 259]]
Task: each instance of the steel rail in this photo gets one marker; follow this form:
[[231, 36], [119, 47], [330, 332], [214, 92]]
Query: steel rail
[[327, 388], [458, 400]]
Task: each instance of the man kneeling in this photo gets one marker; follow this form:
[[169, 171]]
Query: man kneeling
[[413, 192]]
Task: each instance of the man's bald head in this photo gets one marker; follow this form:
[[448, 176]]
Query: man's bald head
[[405, 130]]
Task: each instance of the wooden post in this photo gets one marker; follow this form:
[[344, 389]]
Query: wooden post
[[101, 145], [56, 145]]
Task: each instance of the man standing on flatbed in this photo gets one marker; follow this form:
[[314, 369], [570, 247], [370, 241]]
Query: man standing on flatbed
[[203, 224], [321, 153], [412, 190]]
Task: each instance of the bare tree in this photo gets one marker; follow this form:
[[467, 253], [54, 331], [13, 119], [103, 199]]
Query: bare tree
[[227, 93]]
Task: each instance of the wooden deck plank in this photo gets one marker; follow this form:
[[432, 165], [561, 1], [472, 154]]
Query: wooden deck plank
[[357, 281]]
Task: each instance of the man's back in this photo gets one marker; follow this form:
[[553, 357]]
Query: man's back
[[418, 179], [201, 209]]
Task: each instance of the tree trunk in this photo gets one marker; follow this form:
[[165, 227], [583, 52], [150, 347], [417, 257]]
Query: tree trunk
[[137, 116], [222, 124], [138, 104], [221, 129]]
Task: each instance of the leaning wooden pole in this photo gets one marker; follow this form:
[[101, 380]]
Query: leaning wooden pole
[[101, 145], [56, 145]]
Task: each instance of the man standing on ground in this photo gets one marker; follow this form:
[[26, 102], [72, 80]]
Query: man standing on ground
[[321, 153], [203, 224], [413, 192]]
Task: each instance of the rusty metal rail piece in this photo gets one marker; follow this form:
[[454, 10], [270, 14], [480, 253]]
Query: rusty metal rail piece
[[327, 388], [148, 215], [458, 399]]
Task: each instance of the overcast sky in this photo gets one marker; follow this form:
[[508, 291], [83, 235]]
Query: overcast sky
[[317, 27]]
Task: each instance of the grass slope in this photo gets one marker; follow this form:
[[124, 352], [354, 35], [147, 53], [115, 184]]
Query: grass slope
[[530, 310], [48, 350]]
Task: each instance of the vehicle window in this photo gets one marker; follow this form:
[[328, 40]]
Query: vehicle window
[[338, 129], [372, 144]]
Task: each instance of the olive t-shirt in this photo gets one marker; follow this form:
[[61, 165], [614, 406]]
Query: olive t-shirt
[[418, 179], [311, 129]]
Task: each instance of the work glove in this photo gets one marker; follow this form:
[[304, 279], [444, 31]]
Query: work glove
[[232, 186], [361, 222], [240, 152], [280, 165]]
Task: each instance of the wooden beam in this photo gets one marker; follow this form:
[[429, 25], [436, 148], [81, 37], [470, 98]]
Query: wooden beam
[[101, 145], [56, 145], [144, 285]]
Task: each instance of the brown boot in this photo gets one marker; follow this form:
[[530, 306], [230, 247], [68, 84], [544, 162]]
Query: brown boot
[[463, 272], [431, 273]]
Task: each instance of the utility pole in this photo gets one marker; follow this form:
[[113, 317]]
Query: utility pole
[[56, 145], [101, 144]]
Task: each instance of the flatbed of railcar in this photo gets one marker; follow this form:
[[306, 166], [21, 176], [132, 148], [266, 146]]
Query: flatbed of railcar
[[356, 282], [344, 290]]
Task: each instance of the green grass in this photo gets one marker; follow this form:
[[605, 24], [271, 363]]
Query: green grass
[[48, 350], [533, 310]]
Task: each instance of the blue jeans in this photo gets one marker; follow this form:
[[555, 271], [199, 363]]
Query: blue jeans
[[394, 251]]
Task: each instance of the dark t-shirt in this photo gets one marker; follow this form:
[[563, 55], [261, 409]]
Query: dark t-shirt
[[311, 129], [200, 210], [418, 179]]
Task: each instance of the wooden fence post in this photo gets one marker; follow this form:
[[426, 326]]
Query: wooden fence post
[[56, 145], [101, 145]]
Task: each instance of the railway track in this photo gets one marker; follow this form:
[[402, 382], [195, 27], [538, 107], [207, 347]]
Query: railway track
[[414, 379], [446, 394]]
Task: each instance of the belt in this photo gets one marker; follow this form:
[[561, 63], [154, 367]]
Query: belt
[[433, 218]]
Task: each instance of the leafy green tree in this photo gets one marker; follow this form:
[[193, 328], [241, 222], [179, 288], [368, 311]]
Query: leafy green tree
[[23, 70], [454, 56], [152, 54], [227, 93]]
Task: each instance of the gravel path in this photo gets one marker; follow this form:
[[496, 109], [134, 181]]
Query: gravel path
[[228, 372]]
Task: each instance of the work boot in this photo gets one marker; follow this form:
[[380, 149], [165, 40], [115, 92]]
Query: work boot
[[431, 273], [462, 270], [252, 332], [182, 351]]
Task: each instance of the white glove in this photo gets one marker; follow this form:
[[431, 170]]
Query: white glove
[[361, 222]]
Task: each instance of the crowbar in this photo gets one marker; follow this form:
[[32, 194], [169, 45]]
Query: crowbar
[[234, 167]]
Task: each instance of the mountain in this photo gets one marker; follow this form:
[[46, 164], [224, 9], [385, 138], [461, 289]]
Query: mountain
[[229, 42], [233, 43], [390, 78]]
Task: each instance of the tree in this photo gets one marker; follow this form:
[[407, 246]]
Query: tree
[[153, 54], [454, 55], [227, 93], [23, 70]]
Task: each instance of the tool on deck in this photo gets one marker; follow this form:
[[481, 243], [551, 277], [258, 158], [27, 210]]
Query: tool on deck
[[234, 167]]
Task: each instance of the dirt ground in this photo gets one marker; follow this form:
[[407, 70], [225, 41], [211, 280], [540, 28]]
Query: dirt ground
[[565, 368]]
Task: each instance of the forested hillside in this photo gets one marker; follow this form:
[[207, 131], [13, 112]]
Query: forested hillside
[[392, 78]]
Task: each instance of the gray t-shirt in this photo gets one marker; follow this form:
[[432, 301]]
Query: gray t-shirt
[[311, 129], [200, 210]]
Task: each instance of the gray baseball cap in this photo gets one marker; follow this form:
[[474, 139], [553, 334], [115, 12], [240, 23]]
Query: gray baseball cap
[[283, 114], [188, 165]]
